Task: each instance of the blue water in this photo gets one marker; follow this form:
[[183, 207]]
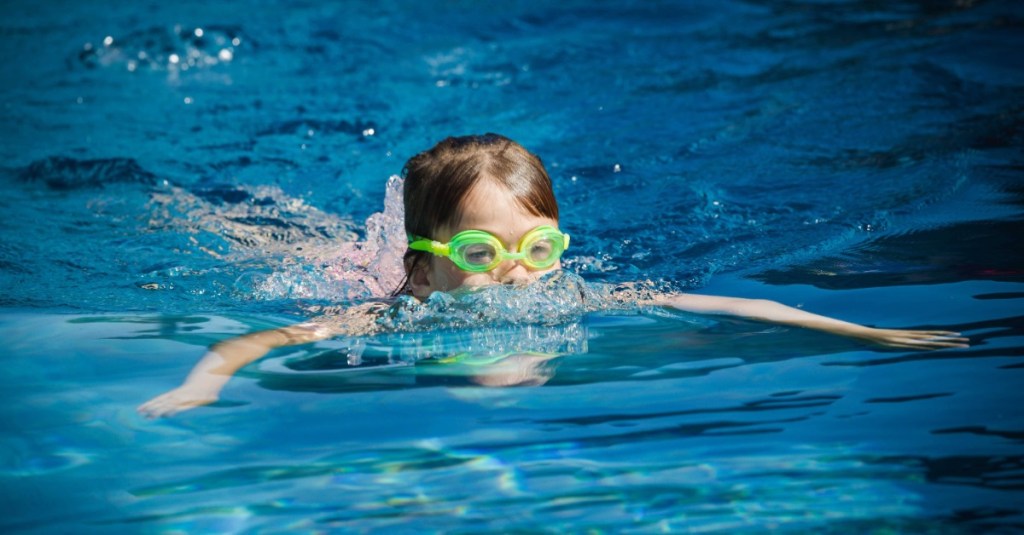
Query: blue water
[[166, 188]]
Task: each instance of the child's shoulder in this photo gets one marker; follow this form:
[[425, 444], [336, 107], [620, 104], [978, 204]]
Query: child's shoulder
[[346, 320]]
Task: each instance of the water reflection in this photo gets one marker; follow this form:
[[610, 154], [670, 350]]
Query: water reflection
[[985, 250], [391, 488]]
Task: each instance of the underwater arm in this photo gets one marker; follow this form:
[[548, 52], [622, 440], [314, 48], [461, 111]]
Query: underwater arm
[[219, 364], [209, 376], [773, 312]]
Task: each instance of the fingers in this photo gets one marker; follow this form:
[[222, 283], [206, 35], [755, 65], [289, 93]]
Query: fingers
[[163, 409], [936, 345], [934, 334], [943, 338], [924, 340], [153, 408], [169, 404], [157, 408]]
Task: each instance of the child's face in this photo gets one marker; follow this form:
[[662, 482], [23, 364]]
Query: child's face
[[491, 208]]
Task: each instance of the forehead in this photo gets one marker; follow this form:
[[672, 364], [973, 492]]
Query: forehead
[[487, 199], [491, 207]]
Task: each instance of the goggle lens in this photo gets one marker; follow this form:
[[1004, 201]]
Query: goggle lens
[[479, 255], [542, 249]]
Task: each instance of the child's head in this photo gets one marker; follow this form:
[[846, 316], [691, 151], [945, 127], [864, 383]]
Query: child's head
[[488, 183]]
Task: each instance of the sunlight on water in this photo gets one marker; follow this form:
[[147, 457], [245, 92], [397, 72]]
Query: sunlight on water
[[393, 487], [31, 465], [164, 49]]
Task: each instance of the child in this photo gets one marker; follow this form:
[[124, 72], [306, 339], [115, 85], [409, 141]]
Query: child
[[480, 210]]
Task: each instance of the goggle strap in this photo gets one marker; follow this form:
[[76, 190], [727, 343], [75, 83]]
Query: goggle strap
[[431, 246]]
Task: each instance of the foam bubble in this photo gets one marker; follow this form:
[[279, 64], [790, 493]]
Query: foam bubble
[[556, 298]]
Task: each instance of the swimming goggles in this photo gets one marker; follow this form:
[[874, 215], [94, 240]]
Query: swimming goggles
[[479, 251]]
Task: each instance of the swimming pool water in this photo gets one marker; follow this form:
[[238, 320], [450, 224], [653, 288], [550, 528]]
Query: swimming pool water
[[178, 173]]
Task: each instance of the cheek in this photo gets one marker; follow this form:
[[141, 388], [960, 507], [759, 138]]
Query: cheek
[[447, 276], [554, 267], [458, 278], [450, 277]]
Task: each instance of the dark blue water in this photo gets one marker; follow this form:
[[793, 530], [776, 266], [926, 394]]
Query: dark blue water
[[178, 173]]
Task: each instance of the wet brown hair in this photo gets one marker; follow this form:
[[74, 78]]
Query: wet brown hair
[[437, 180]]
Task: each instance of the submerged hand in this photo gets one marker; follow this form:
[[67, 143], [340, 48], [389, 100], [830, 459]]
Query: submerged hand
[[185, 397], [523, 369], [907, 339]]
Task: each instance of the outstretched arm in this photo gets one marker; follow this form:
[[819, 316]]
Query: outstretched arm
[[772, 312], [214, 370]]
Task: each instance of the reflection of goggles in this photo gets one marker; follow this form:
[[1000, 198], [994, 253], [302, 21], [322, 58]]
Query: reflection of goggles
[[479, 251]]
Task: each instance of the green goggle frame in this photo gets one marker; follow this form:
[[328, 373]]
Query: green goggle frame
[[479, 251]]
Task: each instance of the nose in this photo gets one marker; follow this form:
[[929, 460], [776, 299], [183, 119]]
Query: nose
[[513, 273]]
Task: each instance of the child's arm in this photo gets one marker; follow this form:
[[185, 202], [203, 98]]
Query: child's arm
[[772, 312], [219, 364]]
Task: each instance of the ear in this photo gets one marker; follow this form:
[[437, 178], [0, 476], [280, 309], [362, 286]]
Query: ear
[[419, 279]]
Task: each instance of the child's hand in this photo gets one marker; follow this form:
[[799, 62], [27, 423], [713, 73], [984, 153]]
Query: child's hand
[[185, 397], [904, 339], [524, 369]]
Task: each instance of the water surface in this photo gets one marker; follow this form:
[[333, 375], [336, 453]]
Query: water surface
[[178, 173]]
